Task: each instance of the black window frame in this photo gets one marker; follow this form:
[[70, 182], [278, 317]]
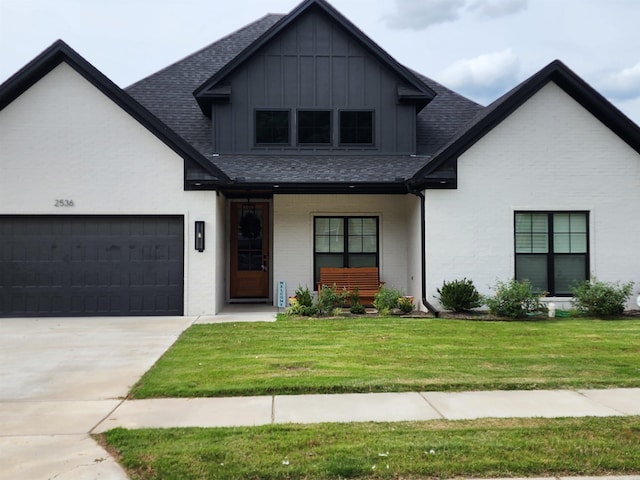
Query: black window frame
[[551, 254], [345, 254], [258, 111], [341, 123], [314, 127]]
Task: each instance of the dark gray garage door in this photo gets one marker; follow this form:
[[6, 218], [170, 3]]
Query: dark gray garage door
[[91, 265]]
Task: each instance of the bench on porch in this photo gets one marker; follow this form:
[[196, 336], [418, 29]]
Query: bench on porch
[[365, 279]]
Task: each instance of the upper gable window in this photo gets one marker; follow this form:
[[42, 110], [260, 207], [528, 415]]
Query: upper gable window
[[356, 127], [314, 127], [272, 127]]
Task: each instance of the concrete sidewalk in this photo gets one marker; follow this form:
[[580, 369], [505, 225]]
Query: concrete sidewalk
[[376, 407], [62, 379]]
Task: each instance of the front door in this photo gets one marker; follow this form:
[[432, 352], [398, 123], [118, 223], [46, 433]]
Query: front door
[[249, 250]]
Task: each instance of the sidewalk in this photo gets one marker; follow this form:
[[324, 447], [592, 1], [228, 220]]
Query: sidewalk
[[63, 379], [375, 407]]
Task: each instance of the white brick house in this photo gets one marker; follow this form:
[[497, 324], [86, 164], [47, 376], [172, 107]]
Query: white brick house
[[343, 156]]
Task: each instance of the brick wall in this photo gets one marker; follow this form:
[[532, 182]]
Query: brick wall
[[64, 139], [550, 154]]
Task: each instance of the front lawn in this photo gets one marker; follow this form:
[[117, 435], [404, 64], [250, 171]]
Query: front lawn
[[293, 356], [412, 450]]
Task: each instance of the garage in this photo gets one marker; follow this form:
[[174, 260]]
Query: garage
[[54, 266]]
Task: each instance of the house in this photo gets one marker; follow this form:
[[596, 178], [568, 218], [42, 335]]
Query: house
[[294, 143]]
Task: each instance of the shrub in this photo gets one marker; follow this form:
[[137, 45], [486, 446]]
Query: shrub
[[303, 304], [386, 300], [354, 299], [405, 304], [601, 299], [304, 297], [514, 299], [459, 296], [357, 308], [329, 299]]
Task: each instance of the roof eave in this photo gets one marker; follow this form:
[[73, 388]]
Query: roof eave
[[242, 188], [204, 99], [566, 79], [60, 52]]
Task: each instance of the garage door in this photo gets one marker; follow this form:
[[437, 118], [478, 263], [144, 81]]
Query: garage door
[[91, 265]]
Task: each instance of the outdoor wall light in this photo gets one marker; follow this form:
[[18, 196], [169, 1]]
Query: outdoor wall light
[[199, 236]]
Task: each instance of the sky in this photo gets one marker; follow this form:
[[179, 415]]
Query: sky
[[479, 48]]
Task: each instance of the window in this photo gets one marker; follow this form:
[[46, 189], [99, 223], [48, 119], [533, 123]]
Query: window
[[356, 127], [314, 126], [552, 249], [345, 242], [272, 127]]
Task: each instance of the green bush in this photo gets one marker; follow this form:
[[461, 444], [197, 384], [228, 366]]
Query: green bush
[[357, 309], [601, 299], [304, 304], [354, 299], [304, 297], [386, 300], [405, 304], [329, 299], [459, 296], [514, 299]]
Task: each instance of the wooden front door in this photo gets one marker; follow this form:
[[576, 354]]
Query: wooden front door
[[249, 250]]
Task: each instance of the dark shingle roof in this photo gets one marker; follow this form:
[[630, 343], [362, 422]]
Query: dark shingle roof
[[319, 168], [439, 121], [169, 95], [169, 92]]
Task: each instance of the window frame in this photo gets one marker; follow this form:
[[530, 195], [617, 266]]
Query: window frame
[[373, 128], [255, 126], [330, 128], [551, 254], [346, 254]]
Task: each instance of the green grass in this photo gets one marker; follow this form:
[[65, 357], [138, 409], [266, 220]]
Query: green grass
[[438, 449], [294, 356]]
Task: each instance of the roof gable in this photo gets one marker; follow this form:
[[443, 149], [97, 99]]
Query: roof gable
[[60, 52], [499, 110], [214, 89]]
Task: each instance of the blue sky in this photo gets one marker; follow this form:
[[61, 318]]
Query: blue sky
[[480, 48]]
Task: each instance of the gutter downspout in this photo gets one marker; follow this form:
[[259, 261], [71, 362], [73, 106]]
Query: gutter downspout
[[423, 253]]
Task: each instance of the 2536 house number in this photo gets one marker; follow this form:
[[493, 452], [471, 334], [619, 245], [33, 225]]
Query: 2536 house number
[[60, 202]]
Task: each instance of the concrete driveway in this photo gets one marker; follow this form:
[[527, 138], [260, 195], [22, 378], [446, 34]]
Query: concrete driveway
[[59, 378]]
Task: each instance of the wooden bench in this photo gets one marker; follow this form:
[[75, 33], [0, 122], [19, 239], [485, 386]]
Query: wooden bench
[[365, 279]]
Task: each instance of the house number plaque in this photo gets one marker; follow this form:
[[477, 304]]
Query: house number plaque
[[63, 203]]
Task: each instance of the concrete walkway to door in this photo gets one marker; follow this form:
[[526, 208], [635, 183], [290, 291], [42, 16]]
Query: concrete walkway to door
[[60, 378]]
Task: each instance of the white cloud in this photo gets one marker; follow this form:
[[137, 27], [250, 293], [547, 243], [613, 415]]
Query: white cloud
[[483, 77], [623, 85], [497, 8], [420, 14]]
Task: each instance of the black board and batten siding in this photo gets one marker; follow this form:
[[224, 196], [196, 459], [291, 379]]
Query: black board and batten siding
[[314, 64]]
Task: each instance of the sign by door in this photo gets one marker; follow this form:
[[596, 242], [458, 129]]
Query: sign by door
[[282, 295]]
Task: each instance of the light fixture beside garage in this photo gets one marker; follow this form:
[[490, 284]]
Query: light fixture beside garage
[[199, 236]]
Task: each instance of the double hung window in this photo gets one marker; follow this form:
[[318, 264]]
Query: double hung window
[[356, 127], [272, 127], [552, 249], [345, 242], [314, 127]]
